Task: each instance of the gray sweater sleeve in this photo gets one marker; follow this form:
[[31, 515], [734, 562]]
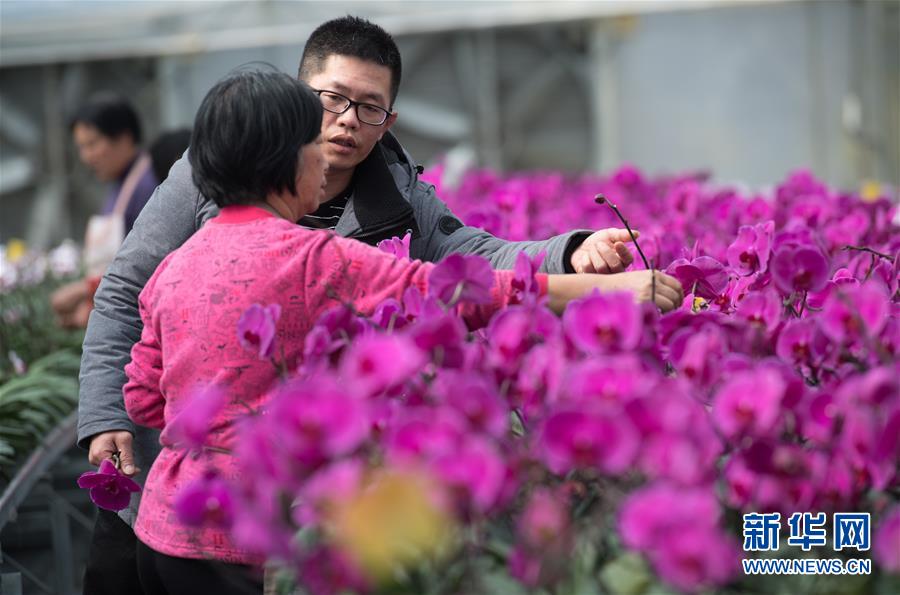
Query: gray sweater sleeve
[[171, 216], [442, 233]]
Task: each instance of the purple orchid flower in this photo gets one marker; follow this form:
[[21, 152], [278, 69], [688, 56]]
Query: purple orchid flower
[[378, 362], [545, 518], [799, 268], [475, 472], [317, 419], [109, 488], [389, 315], [802, 342], [761, 309], [749, 253], [677, 528], [749, 404], [705, 273], [476, 399], [396, 246], [842, 276], [461, 278], [852, 310], [577, 438], [256, 329], [604, 323], [206, 501], [525, 287], [192, 423]]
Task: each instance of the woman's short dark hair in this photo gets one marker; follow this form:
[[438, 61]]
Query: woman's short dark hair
[[248, 134], [110, 113]]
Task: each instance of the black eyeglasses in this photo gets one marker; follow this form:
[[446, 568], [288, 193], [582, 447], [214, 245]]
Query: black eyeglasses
[[366, 112]]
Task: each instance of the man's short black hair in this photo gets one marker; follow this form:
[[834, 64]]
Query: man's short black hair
[[248, 134], [354, 37], [167, 149], [110, 113]]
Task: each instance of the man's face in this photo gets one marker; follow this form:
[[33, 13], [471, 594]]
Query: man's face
[[347, 141], [106, 157]]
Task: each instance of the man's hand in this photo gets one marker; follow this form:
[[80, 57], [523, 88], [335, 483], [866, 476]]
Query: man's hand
[[106, 444], [603, 252]]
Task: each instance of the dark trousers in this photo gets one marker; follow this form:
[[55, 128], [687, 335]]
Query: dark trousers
[[164, 575], [112, 562]]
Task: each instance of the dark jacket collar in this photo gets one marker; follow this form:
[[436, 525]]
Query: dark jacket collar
[[380, 208]]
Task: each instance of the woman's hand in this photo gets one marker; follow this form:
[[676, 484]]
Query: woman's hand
[[669, 293], [667, 296]]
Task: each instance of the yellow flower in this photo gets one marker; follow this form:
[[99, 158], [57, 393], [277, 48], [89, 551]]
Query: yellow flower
[[870, 191], [392, 522], [699, 304], [15, 250]]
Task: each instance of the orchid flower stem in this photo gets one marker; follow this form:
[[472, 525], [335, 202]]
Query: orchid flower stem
[[521, 417], [282, 365], [457, 293], [802, 305], [869, 250], [600, 199], [391, 322]]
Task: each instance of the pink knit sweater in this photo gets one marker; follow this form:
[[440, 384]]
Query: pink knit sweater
[[190, 309]]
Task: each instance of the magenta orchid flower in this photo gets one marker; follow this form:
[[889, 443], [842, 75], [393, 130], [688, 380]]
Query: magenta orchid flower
[[851, 312], [604, 323], [461, 278], [109, 488], [207, 501], [706, 275], [397, 246], [256, 329], [799, 268], [525, 286], [748, 404], [191, 425], [577, 438], [749, 253]]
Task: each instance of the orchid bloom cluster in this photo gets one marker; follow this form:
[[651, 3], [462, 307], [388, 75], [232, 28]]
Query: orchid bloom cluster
[[21, 267], [776, 387]]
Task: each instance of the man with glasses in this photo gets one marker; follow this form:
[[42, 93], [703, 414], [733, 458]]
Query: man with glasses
[[374, 194]]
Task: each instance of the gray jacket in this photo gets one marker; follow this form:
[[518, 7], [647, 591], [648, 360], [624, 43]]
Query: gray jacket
[[388, 200]]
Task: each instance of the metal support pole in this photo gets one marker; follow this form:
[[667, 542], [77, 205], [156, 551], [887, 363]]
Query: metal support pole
[[62, 544], [487, 99], [603, 80], [11, 583], [50, 218]]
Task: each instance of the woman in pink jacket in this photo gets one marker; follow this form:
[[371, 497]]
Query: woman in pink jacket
[[256, 152]]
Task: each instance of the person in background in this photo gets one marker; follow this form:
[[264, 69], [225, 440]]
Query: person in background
[[107, 134], [167, 149]]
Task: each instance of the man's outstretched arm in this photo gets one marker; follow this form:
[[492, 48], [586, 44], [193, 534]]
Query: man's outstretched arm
[[172, 215], [579, 251]]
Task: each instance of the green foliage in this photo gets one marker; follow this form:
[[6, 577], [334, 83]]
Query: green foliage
[[32, 404], [33, 400], [28, 330]]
